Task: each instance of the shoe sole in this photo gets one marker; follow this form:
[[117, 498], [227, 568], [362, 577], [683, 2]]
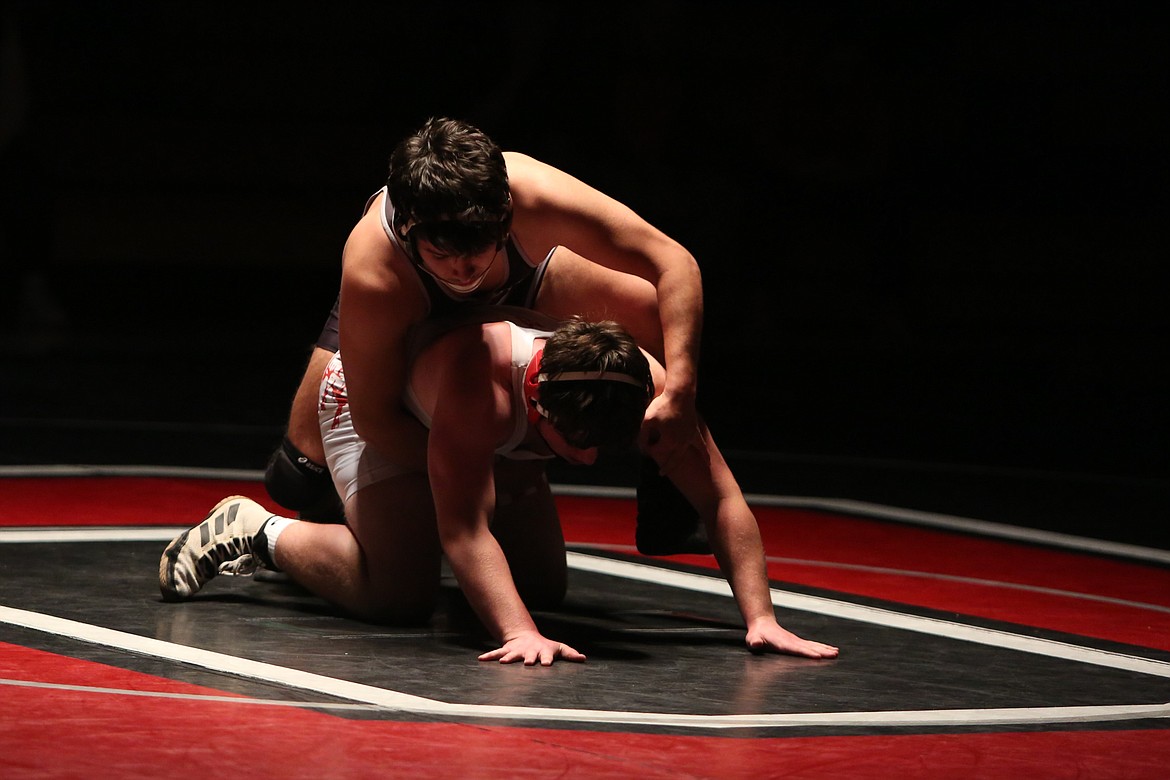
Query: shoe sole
[[166, 565]]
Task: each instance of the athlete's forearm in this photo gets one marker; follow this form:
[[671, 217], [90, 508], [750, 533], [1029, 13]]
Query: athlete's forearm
[[680, 308], [484, 577], [735, 540]]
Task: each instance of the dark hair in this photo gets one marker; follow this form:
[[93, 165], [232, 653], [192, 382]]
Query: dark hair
[[592, 412], [451, 180]]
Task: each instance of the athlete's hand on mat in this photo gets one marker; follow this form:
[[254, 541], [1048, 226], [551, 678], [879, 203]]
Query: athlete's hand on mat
[[532, 648], [669, 429], [768, 636]]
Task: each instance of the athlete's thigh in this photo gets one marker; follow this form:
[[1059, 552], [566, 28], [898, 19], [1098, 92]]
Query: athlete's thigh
[[393, 521], [574, 286], [303, 428]]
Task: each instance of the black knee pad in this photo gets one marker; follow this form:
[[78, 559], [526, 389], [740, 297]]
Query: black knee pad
[[296, 482]]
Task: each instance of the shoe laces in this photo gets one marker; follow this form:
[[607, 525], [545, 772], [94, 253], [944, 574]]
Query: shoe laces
[[240, 567]]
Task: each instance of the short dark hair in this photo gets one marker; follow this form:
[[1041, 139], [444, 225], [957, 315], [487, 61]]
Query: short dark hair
[[450, 179], [594, 413]]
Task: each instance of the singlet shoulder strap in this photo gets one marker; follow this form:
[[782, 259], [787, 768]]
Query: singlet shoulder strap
[[522, 353], [386, 218]]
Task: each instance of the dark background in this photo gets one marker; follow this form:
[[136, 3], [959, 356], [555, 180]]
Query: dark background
[[932, 234]]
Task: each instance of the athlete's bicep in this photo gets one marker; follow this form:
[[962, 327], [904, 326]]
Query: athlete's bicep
[[555, 208], [377, 312]]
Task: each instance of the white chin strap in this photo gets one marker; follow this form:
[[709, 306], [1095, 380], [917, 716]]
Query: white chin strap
[[461, 289]]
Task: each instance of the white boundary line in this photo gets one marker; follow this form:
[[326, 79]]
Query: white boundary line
[[417, 705], [401, 702], [223, 699], [889, 719]]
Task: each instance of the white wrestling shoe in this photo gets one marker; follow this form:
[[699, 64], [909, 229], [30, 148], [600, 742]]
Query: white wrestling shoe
[[224, 543]]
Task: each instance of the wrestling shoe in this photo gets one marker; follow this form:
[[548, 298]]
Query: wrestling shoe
[[229, 541]]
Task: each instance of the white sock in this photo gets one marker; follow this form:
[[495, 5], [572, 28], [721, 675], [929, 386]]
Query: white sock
[[272, 530]]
